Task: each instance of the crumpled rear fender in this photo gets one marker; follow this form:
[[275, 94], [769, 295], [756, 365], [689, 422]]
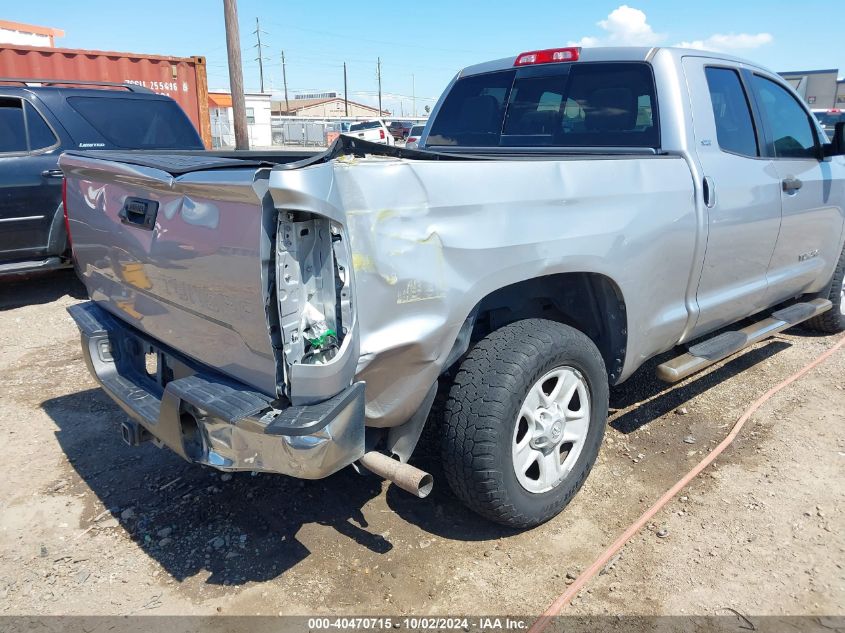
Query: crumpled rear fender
[[430, 240]]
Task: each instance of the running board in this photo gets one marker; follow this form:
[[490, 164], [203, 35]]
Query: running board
[[702, 355], [19, 268]]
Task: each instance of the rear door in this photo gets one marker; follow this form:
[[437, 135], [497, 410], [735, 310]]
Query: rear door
[[30, 181], [742, 194], [811, 193]]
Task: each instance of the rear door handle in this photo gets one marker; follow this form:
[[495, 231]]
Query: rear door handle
[[52, 173], [791, 185], [709, 189]]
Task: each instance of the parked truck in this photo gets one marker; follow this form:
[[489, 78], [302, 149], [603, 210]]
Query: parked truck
[[570, 214]]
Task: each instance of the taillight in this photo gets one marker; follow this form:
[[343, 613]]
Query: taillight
[[64, 208], [548, 56], [412, 139], [381, 134]]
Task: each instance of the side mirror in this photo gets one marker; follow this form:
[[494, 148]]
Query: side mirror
[[837, 145]]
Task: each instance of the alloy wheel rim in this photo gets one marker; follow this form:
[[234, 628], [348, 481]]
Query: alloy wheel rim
[[551, 429]]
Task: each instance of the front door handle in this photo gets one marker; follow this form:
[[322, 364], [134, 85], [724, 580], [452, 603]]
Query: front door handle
[[52, 173], [791, 185]]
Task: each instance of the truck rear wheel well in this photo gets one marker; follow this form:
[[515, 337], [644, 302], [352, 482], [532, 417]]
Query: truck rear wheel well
[[589, 302]]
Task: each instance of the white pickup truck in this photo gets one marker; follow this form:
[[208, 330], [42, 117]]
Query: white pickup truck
[[571, 214], [375, 131]]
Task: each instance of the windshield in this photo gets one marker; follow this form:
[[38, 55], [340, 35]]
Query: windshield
[[554, 105], [366, 125], [138, 123], [417, 130]]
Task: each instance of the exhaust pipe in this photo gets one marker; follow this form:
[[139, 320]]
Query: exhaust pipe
[[407, 477]]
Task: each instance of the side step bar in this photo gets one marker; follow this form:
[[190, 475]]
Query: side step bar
[[702, 355]]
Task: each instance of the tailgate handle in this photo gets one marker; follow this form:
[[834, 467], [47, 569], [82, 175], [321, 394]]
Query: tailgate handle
[[139, 212]]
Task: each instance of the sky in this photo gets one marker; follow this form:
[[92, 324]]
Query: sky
[[422, 45]]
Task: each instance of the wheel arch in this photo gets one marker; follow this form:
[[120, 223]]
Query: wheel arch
[[590, 302]]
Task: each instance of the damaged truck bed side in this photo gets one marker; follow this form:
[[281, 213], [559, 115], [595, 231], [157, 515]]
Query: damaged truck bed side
[[570, 215]]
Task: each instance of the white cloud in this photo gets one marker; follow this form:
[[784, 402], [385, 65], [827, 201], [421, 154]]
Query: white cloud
[[730, 42], [625, 26]]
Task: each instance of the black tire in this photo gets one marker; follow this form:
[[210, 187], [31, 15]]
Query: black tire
[[833, 320], [481, 412]]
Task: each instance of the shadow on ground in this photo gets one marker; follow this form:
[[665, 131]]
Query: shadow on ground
[[244, 528], [665, 398], [190, 518], [40, 288]]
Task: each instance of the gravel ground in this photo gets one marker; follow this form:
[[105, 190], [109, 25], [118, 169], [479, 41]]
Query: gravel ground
[[90, 526]]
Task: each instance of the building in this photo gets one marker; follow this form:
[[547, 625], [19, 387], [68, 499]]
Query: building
[[257, 119], [324, 107], [820, 89], [28, 34]]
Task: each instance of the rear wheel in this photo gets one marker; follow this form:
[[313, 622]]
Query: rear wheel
[[833, 320], [524, 420]]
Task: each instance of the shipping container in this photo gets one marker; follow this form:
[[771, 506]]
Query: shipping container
[[181, 78]]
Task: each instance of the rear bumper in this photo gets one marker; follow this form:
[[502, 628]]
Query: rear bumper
[[211, 419]]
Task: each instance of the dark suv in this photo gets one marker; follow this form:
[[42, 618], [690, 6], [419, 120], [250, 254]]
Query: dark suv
[[39, 119]]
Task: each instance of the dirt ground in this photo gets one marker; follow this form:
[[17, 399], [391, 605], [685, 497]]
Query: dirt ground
[[91, 526]]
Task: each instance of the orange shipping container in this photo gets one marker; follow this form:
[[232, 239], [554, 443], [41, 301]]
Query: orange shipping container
[[182, 78]]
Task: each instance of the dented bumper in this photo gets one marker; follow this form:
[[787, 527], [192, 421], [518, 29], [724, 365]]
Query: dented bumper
[[211, 419]]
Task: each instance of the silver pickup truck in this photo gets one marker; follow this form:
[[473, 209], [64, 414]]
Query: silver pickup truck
[[570, 214]]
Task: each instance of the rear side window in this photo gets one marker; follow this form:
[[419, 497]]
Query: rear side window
[[138, 123], [12, 130], [472, 114], [732, 112], [786, 120], [573, 105], [40, 134]]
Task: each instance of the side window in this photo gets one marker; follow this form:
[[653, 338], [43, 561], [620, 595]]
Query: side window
[[473, 111], [787, 121], [40, 134], [12, 130], [734, 125]]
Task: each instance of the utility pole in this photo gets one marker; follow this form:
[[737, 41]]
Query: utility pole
[[378, 74], [345, 91], [260, 59], [285, 82], [413, 95], [236, 75]]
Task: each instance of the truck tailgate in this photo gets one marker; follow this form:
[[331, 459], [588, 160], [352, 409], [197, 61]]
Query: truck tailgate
[[180, 254]]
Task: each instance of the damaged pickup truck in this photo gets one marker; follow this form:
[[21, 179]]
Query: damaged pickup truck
[[570, 214]]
